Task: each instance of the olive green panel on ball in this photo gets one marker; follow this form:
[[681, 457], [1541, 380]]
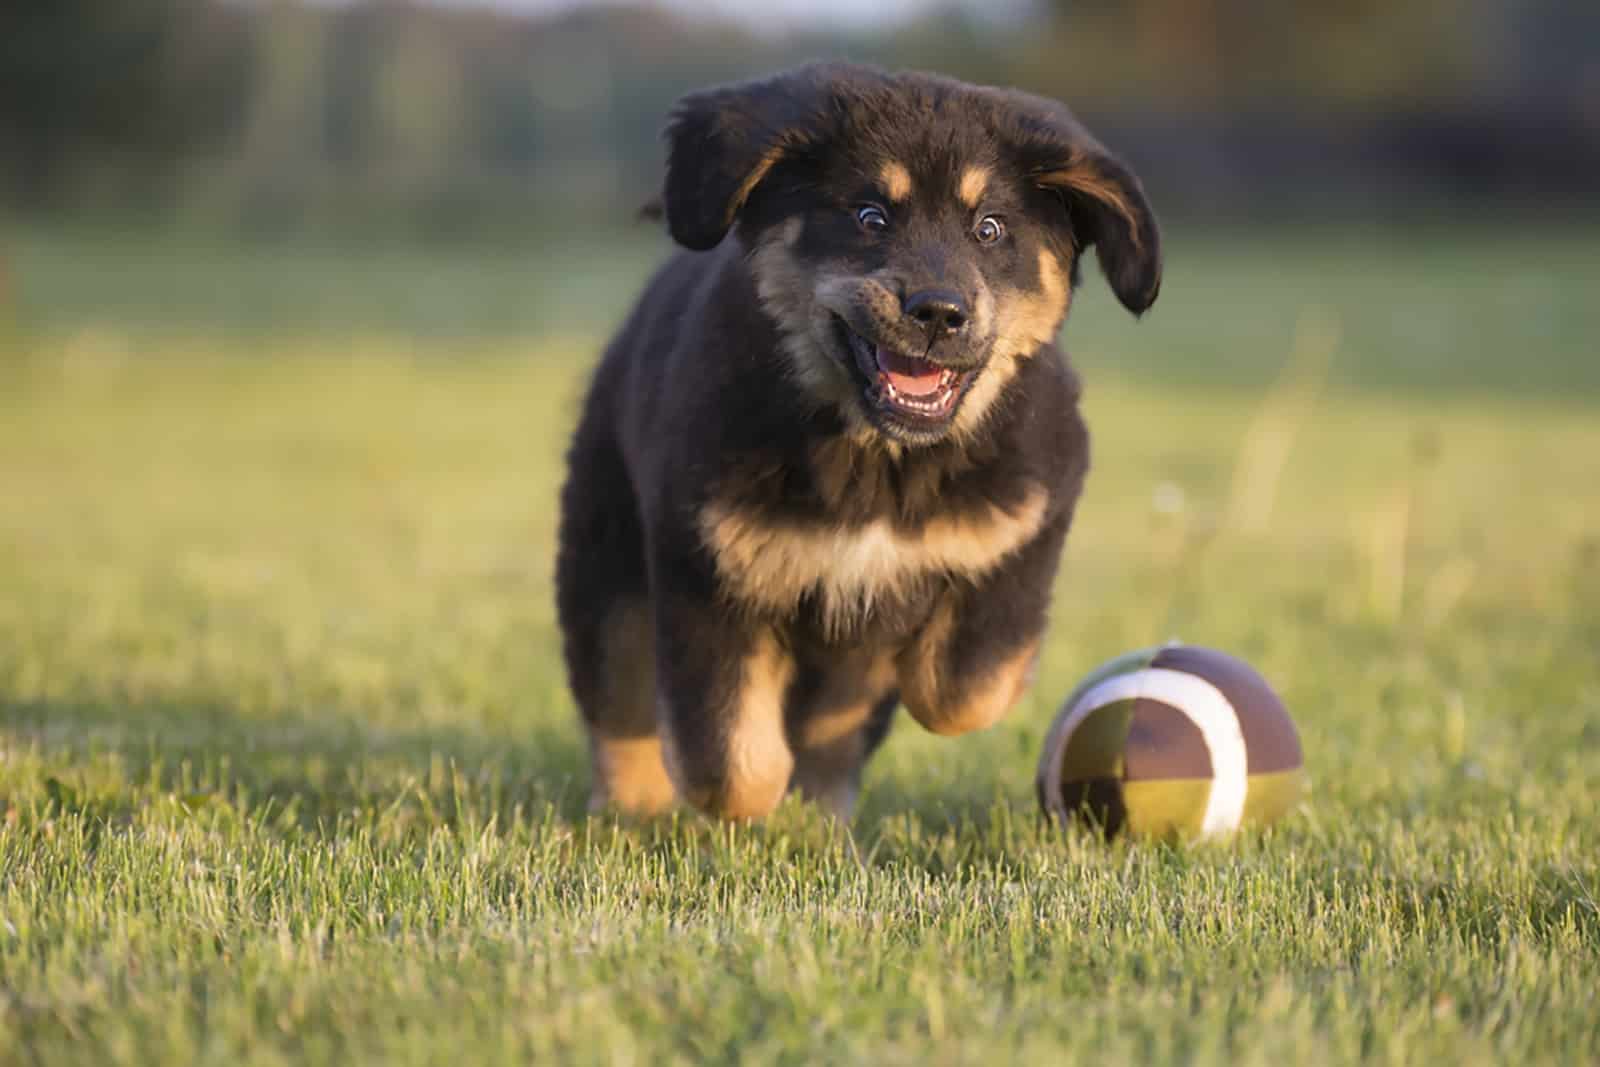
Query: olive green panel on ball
[[1271, 796], [1177, 805], [1165, 807], [1097, 744]]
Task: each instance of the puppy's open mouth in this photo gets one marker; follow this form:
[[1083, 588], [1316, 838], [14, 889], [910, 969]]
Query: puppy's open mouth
[[904, 384]]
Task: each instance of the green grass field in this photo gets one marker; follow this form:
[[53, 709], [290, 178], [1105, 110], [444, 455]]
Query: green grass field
[[288, 771]]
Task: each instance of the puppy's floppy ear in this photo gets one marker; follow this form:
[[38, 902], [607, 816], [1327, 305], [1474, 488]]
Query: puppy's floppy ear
[[722, 142], [1108, 206], [1105, 202]]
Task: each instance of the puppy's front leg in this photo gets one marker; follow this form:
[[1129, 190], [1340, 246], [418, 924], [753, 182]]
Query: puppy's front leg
[[975, 656], [722, 683]]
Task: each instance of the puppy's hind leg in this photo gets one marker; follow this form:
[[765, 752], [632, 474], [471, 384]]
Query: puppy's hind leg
[[829, 772], [839, 714]]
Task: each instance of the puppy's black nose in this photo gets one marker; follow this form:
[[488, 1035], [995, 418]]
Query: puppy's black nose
[[940, 311]]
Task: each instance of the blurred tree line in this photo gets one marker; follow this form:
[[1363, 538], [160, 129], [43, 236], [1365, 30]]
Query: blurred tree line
[[388, 115]]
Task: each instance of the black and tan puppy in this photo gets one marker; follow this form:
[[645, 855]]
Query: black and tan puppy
[[828, 464]]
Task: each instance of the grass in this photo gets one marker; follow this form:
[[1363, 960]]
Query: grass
[[288, 772]]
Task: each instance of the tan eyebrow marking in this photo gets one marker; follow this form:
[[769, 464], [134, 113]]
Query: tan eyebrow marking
[[974, 183], [896, 180]]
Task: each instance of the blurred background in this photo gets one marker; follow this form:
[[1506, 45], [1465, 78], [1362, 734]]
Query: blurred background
[[532, 126], [468, 119]]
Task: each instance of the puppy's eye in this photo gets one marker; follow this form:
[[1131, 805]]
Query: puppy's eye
[[871, 218], [989, 229]]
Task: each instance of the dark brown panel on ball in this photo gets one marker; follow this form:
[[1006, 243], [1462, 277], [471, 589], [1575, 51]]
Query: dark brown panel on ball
[[1163, 742], [1096, 800], [1270, 741]]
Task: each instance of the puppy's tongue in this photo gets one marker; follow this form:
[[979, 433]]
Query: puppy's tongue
[[909, 375]]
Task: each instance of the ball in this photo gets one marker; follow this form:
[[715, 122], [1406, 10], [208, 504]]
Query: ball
[[1176, 741]]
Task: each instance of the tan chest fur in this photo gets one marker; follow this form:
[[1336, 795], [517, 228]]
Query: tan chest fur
[[773, 565]]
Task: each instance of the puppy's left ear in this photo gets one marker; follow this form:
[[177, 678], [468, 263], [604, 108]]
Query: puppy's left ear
[[1108, 205], [723, 142], [1105, 203]]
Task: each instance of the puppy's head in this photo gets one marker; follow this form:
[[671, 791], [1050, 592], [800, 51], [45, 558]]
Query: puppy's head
[[913, 237]]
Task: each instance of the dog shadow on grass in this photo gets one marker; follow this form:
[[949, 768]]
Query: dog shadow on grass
[[299, 769], [322, 774]]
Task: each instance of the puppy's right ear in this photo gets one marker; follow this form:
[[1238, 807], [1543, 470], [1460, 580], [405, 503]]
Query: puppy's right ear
[[722, 142]]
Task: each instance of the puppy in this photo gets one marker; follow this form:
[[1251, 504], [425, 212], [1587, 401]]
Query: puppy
[[828, 464]]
